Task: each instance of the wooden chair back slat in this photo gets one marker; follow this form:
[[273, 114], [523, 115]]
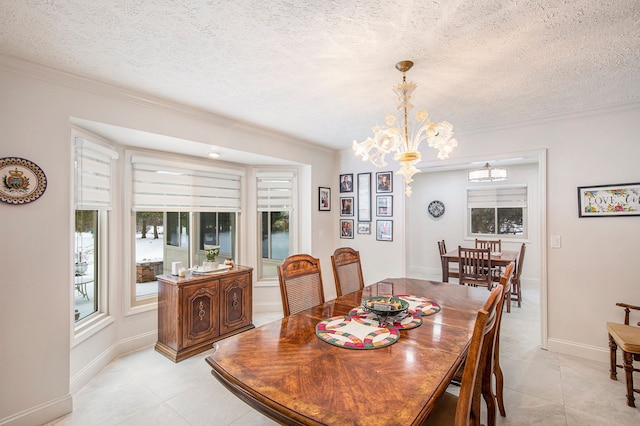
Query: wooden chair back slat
[[475, 266]]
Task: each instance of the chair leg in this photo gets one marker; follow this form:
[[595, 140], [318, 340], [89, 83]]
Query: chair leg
[[487, 393], [516, 292], [613, 347], [628, 372], [499, 389]]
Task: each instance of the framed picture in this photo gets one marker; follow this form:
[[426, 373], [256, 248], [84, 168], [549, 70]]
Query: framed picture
[[364, 197], [384, 230], [384, 182], [346, 206], [346, 228], [384, 205], [364, 227], [609, 200], [346, 182], [324, 199]]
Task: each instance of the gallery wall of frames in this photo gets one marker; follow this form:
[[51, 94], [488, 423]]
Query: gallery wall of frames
[[363, 197]]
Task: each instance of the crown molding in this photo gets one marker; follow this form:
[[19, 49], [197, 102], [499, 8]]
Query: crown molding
[[76, 82], [599, 110]]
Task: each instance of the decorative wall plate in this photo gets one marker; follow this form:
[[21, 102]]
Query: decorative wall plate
[[436, 208], [22, 181]]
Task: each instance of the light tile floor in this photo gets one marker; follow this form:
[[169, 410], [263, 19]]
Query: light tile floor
[[145, 388]]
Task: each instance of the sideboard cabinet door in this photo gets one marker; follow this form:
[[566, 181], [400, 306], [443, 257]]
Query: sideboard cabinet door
[[235, 303], [200, 310]]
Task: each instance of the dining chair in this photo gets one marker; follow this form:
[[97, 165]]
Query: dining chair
[[627, 338], [516, 288], [475, 267], [496, 247], [347, 270], [505, 282], [442, 249], [300, 279], [464, 409]]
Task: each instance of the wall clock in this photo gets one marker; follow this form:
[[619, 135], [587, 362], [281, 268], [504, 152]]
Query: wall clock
[[436, 208], [22, 180]]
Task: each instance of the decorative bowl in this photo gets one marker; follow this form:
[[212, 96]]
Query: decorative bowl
[[385, 305]]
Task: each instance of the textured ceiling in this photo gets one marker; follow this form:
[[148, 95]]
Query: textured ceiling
[[323, 70]]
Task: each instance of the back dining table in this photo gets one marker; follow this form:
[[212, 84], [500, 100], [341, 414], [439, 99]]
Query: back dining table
[[285, 370]]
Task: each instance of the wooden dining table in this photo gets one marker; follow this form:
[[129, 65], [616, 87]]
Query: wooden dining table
[[501, 259], [285, 371]]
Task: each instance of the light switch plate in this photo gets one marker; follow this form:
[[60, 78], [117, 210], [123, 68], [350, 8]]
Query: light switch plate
[[555, 241]]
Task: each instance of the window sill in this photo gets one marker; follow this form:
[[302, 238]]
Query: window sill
[[90, 327], [152, 305], [267, 283]]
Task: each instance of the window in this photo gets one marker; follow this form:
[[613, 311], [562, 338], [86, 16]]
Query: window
[[497, 211], [154, 256], [275, 200], [178, 207], [275, 235], [218, 229], [92, 198], [177, 229], [85, 266]]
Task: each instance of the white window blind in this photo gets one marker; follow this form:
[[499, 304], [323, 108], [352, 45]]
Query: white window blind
[[275, 191], [161, 185], [93, 175], [506, 196]]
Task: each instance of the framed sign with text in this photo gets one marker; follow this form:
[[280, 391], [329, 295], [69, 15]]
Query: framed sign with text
[[609, 200], [364, 197]]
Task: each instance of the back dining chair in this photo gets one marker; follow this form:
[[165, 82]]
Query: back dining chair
[[475, 267], [464, 409], [347, 270], [516, 288], [496, 247], [627, 338], [300, 283], [442, 249]]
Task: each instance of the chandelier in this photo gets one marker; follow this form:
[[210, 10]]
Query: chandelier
[[487, 174], [397, 137]]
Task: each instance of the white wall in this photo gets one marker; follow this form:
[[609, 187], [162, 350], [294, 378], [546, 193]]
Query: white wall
[[450, 187], [380, 259], [36, 251], [586, 276]]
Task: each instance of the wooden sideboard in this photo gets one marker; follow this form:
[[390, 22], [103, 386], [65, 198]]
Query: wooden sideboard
[[195, 311]]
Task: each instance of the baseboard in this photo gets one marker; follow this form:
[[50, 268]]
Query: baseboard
[[423, 273], [130, 344], [579, 350], [267, 307], [41, 414]]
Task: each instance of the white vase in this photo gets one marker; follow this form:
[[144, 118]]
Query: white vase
[[211, 265]]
